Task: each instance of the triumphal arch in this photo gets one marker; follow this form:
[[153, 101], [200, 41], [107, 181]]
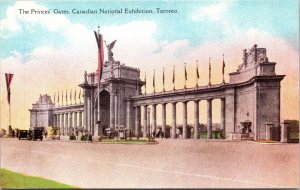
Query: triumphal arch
[[250, 102]]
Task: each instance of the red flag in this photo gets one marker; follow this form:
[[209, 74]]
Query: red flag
[[75, 96], [99, 39], [71, 96], [57, 97], [185, 73], [66, 97], [173, 73], [54, 97], [164, 76], [154, 79], [197, 71], [8, 77], [223, 67], [62, 97]]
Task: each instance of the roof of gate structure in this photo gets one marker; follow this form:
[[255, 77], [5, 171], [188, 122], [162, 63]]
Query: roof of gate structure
[[255, 66], [114, 70]]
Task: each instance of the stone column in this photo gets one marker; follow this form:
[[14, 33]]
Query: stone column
[[174, 120], [85, 111], [95, 126], [71, 123], [128, 115], [57, 120], [67, 124], [55, 124], [62, 124], [112, 111], [92, 115], [285, 129], [80, 119], [184, 121], [163, 124], [116, 111], [209, 118], [59, 124], [75, 120], [148, 123], [88, 114], [137, 120], [145, 122], [154, 118], [223, 114], [196, 119], [54, 120]]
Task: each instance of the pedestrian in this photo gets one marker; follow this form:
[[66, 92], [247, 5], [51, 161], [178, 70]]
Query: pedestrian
[[13, 133]]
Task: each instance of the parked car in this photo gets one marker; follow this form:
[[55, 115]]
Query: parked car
[[23, 134], [36, 133]]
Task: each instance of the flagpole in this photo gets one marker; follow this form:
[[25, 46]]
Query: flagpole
[[209, 83], [154, 81], [197, 78], [145, 83], [184, 75], [223, 69], [163, 79], [99, 77], [173, 77], [9, 114], [9, 103]]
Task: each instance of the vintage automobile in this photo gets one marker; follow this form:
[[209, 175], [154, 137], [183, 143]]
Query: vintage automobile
[[36, 133], [23, 134]]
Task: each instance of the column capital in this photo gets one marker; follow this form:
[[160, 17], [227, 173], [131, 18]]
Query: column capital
[[197, 101]]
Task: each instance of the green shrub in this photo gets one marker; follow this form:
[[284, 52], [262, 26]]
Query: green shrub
[[72, 137], [84, 138]]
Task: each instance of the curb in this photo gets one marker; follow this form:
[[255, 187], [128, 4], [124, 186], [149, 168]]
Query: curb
[[96, 142], [270, 143]]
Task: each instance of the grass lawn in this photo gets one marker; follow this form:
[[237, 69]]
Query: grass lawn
[[11, 179]]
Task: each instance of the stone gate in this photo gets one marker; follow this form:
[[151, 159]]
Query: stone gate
[[249, 101]]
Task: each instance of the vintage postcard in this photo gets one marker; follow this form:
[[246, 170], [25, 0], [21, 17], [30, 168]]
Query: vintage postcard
[[149, 94]]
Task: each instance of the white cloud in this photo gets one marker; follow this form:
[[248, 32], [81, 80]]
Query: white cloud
[[213, 11], [14, 20]]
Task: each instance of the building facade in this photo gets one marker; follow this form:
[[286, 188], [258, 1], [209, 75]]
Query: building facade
[[250, 102]]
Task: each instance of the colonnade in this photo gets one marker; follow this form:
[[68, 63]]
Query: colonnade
[[146, 120], [68, 121]]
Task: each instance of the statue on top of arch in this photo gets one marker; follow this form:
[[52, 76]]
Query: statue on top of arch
[[109, 47]]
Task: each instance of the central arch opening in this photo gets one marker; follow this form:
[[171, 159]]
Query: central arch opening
[[104, 109]]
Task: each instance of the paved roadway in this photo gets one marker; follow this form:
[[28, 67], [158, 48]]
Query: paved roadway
[[171, 163]]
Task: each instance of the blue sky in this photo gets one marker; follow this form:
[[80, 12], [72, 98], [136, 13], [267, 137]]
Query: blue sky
[[275, 16]]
